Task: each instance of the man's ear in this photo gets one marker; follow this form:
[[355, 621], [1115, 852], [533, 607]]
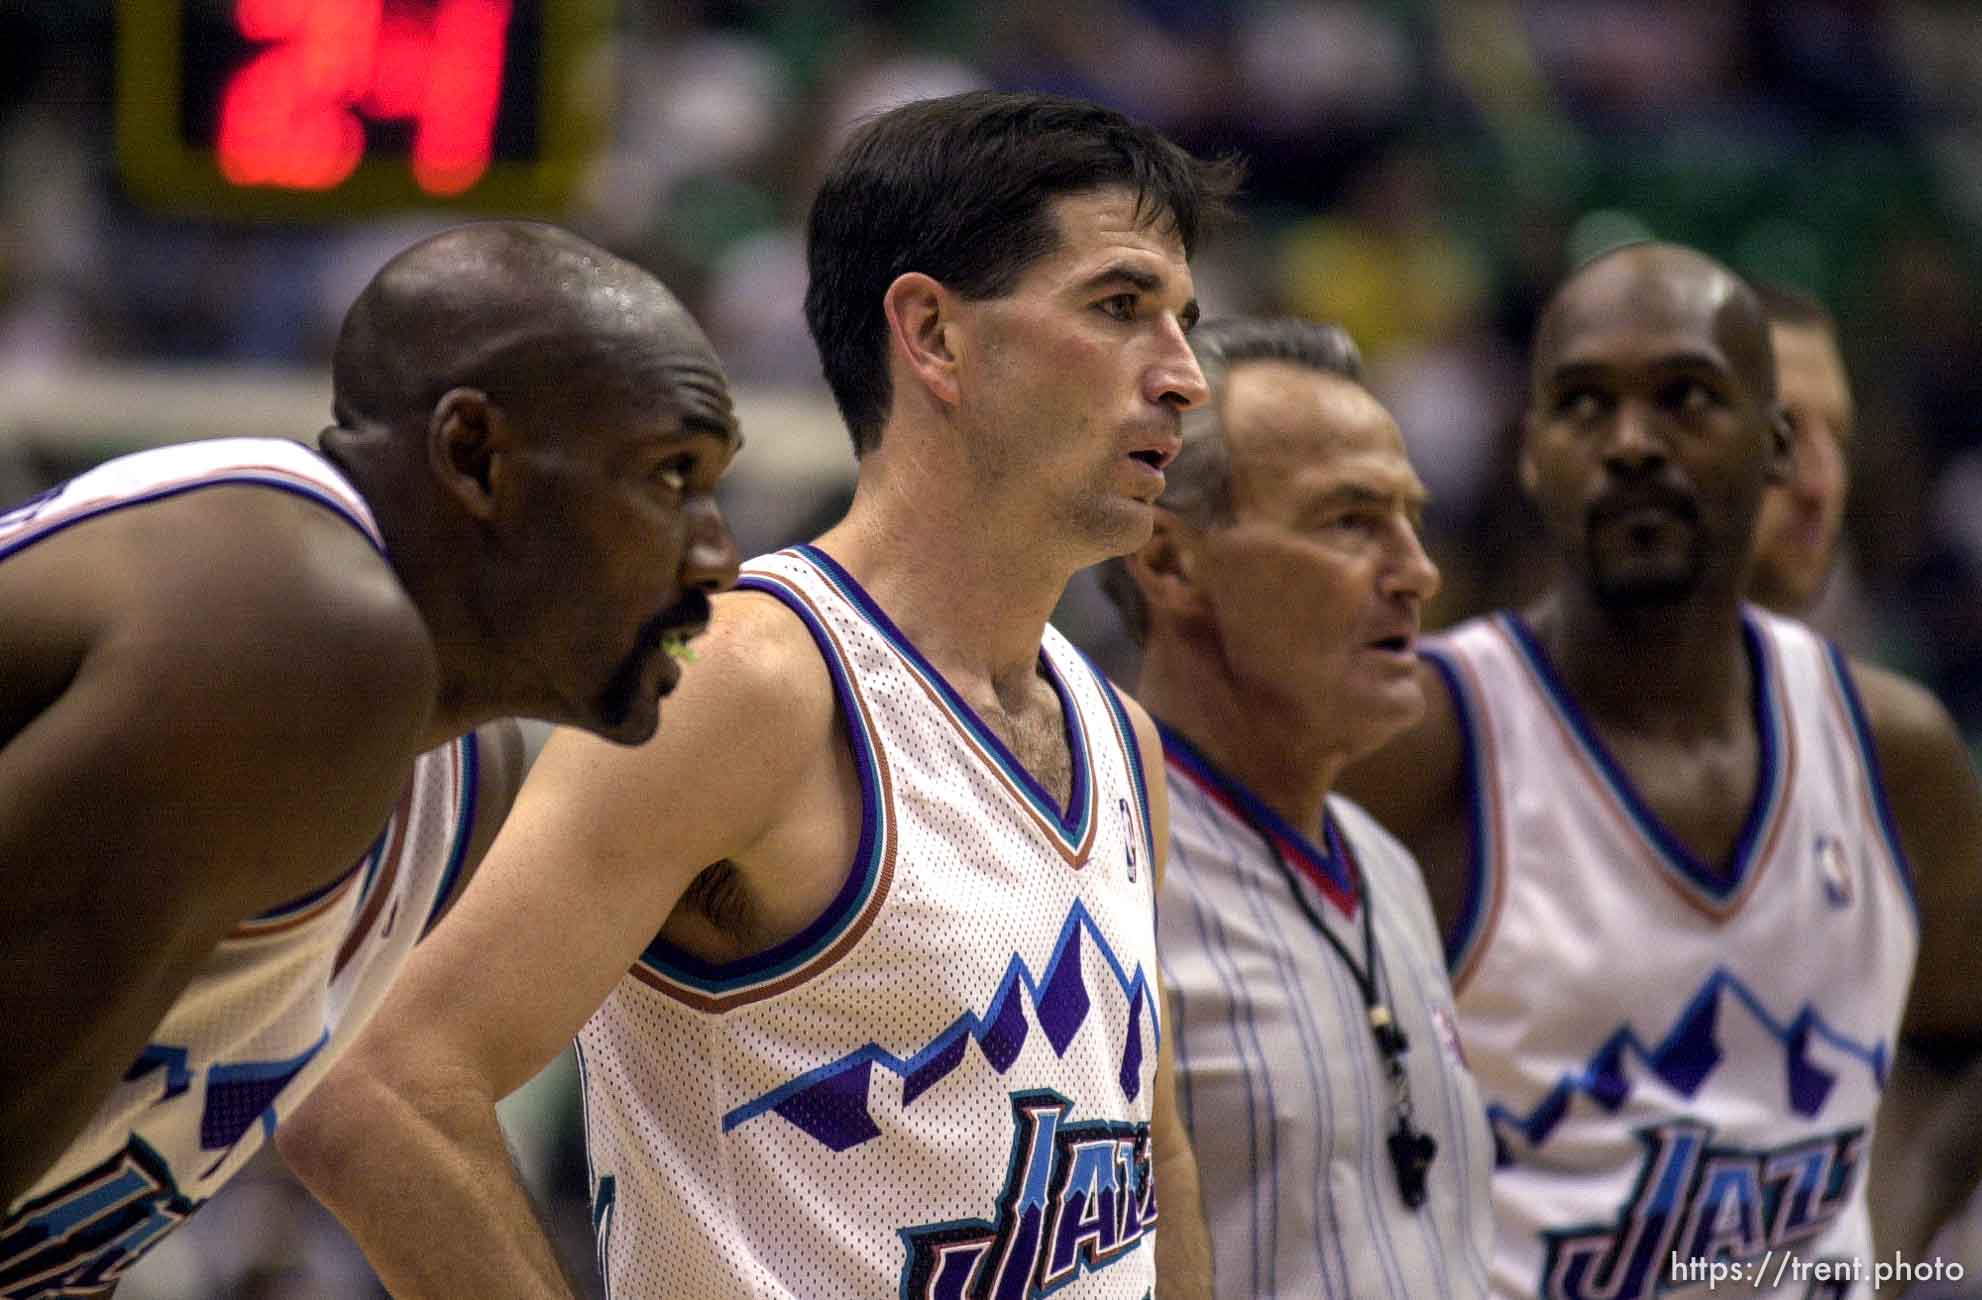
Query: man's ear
[[921, 324], [1782, 445], [1166, 568], [467, 437]]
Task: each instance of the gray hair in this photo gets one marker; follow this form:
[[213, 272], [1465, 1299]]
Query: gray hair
[[1199, 481]]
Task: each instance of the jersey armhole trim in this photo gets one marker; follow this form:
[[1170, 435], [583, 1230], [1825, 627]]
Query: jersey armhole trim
[[467, 775], [717, 987], [264, 477], [1133, 759], [1479, 904], [1874, 788]]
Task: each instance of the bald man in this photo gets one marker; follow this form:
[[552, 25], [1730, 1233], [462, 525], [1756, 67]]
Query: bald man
[[1684, 853], [239, 682]]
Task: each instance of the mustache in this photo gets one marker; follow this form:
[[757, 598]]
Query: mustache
[[1641, 496], [692, 610]]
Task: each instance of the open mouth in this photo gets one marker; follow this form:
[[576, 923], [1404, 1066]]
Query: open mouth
[[687, 619], [1152, 458], [1396, 645]]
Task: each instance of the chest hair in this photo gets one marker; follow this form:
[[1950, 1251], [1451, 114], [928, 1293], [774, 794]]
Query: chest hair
[[1037, 737]]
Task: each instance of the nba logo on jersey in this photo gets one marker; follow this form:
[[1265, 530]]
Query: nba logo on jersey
[[1836, 872]]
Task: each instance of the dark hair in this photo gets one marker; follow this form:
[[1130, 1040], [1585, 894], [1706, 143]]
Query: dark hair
[[959, 189], [1784, 305], [1198, 483]]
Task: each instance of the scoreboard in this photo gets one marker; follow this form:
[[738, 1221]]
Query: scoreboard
[[315, 109]]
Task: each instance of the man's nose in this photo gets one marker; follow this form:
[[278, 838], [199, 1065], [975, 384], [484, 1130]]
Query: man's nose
[[1176, 379], [1412, 572], [1636, 437], [710, 561]]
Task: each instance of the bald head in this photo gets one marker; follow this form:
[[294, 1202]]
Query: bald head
[[1659, 288], [528, 313], [1652, 426]]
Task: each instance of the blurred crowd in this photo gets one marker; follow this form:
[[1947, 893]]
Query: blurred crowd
[[1422, 171]]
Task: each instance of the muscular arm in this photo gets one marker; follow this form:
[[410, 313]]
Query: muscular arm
[[401, 1139], [209, 706], [1183, 1241], [1927, 1156], [1413, 786]]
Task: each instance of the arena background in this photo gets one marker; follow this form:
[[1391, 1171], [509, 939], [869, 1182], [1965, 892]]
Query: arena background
[[1420, 171]]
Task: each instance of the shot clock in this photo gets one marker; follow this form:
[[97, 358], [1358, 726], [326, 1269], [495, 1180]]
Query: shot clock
[[323, 108]]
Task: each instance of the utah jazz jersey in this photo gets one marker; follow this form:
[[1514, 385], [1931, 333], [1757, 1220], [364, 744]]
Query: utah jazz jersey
[[1287, 1098], [940, 1088], [1681, 1064], [278, 999]]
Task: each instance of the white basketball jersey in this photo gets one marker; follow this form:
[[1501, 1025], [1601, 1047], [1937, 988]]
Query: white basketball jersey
[[940, 1088], [266, 1015], [1681, 1065], [1289, 1102]]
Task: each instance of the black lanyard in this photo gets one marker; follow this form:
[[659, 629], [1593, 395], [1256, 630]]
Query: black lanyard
[[1411, 1150]]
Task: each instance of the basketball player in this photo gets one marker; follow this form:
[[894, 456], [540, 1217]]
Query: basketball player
[[863, 950], [1277, 606], [1684, 852], [1802, 519], [231, 790]]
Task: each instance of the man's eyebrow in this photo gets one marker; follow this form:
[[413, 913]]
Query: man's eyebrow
[[726, 432], [1585, 369], [1128, 273], [1411, 496], [1574, 372], [1143, 281], [1693, 361]]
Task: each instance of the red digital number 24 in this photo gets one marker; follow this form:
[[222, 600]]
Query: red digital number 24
[[292, 117]]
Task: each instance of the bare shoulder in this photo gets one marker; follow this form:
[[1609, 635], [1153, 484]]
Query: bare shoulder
[[1412, 785], [1911, 728], [235, 624], [1928, 780], [1148, 739], [1415, 788], [756, 650], [1931, 787], [754, 714], [233, 588], [757, 684], [251, 575]]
